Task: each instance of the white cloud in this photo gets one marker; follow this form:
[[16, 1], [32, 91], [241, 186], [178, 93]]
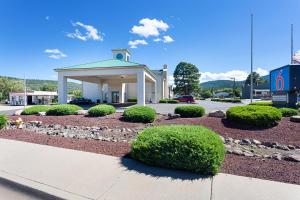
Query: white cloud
[[133, 44], [296, 57], [167, 39], [55, 54], [90, 32], [157, 40], [47, 18], [149, 27], [262, 71], [239, 75]]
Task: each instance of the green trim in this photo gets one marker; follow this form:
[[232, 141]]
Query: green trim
[[103, 64]]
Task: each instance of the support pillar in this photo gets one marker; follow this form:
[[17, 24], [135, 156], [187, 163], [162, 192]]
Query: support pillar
[[141, 88], [101, 92], [153, 92], [122, 95], [62, 89]]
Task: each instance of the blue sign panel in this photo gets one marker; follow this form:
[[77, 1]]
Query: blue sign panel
[[280, 79]]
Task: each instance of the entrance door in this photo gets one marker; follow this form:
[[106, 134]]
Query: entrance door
[[115, 96]]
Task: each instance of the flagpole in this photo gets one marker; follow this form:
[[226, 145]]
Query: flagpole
[[251, 74], [292, 43]]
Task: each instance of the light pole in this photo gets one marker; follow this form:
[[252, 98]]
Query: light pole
[[251, 75], [233, 87]]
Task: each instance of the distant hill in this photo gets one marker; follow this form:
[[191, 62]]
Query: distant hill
[[220, 84], [34, 84]]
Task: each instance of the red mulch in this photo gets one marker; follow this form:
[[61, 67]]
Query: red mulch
[[286, 132], [275, 170], [101, 147]]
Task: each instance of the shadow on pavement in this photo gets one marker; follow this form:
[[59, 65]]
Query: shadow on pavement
[[133, 165]]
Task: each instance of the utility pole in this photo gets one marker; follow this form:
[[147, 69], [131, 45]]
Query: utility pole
[[251, 75], [292, 43], [25, 92]]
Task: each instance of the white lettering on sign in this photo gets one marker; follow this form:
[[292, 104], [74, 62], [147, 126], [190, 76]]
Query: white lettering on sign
[[280, 98]]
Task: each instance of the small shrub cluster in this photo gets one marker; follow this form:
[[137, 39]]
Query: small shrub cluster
[[190, 111], [262, 103], [132, 100], [35, 110], [142, 114], [3, 121], [168, 101], [261, 116], [227, 100], [101, 110], [288, 112], [192, 148], [63, 109]]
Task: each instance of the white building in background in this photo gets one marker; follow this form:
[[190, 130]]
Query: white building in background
[[115, 80], [32, 98]]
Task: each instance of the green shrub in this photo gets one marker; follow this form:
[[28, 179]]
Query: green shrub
[[35, 110], [193, 148], [190, 111], [172, 101], [288, 112], [132, 100], [63, 109], [227, 100], [143, 114], [163, 101], [261, 103], [101, 110], [3, 121], [261, 116]]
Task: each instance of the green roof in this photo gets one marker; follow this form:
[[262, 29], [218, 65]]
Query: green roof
[[104, 64]]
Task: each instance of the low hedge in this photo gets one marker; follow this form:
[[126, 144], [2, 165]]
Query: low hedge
[[163, 101], [101, 110], [3, 121], [35, 110], [261, 103], [288, 112], [192, 148], [190, 111], [227, 100], [132, 100], [260, 116], [168, 101], [63, 109], [142, 114]]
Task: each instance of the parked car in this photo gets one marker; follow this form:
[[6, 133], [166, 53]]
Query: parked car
[[81, 101], [186, 98]]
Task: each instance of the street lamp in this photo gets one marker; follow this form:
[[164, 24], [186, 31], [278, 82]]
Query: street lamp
[[233, 87]]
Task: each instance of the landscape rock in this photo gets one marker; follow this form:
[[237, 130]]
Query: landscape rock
[[41, 114], [256, 142], [82, 112], [245, 142], [217, 113], [295, 118], [18, 112], [292, 157], [173, 116], [277, 156]]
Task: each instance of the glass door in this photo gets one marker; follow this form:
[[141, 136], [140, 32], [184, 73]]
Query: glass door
[[115, 96]]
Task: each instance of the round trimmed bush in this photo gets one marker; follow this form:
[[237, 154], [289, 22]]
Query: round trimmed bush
[[63, 109], [35, 110], [163, 101], [261, 103], [288, 112], [261, 116], [142, 114], [190, 111], [192, 148], [3, 121], [101, 110]]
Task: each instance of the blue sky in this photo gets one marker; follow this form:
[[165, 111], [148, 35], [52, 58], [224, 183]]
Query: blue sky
[[38, 36]]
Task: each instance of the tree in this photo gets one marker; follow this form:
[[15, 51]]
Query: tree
[[10, 85], [76, 93], [206, 94], [237, 92], [186, 78], [48, 87], [256, 79]]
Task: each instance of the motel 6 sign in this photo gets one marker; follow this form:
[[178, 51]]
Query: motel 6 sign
[[280, 80]]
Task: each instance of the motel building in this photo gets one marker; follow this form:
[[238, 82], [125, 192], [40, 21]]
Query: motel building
[[115, 80]]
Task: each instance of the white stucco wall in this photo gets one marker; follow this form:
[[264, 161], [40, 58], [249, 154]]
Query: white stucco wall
[[91, 91]]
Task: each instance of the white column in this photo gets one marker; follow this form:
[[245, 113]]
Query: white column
[[153, 91], [122, 95], [140, 88], [109, 99], [62, 89], [101, 91]]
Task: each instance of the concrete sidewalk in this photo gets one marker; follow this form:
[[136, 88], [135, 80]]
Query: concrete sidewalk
[[70, 174]]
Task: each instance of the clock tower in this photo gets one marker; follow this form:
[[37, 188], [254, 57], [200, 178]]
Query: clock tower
[[121, 54]]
